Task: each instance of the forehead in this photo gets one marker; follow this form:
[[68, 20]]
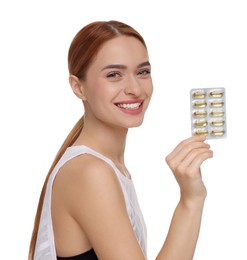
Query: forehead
[[121, 50]]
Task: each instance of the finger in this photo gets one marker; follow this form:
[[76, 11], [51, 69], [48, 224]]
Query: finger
[[192, 155], [198, 138], [198, 160], [176, 158]]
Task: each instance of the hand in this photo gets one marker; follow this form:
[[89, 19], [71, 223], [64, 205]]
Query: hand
[[185, 161]]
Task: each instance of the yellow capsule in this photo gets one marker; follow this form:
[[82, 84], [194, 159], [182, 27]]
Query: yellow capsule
[[201, 131], [217, 103], [199, 94], [200, 113], [200, 122], [200, 103], [217, 133], [217, 122], [217, 113], [216, 93]]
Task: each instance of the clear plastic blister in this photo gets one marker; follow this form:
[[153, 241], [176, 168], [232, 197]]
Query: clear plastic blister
[[208, 112]]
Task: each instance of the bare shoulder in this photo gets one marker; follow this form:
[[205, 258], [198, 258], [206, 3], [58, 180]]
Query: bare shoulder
[[86, 178], [91, 193], [84, 169]]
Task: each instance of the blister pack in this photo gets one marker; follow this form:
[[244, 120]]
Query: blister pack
[[208, 112]]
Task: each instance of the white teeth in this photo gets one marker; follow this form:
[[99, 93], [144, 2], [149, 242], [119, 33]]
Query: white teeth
[[129, 106]]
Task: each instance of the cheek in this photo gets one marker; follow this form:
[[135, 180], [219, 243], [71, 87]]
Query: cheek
[[150, 89], [93, 90], [98, 97]]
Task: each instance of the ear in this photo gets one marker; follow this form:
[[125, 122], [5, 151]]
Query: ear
[[77, 87]]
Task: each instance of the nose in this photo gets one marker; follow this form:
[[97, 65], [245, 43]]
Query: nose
[[133, 86]]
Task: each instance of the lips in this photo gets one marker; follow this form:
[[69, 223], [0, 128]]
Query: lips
[[130, 106]]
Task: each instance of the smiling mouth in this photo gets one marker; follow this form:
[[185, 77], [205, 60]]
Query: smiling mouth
[[132, 106]]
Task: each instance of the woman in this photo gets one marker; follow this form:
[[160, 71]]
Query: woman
[[88, 208]]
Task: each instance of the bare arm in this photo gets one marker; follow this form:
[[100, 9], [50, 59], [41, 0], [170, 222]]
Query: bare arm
[[183, 233], [92, 196], [95, 200]]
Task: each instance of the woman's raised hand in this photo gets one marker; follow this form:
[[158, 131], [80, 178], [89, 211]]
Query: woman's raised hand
[[185, 161]]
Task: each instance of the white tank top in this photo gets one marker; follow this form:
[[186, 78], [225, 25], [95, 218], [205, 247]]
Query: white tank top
[[45, 245]]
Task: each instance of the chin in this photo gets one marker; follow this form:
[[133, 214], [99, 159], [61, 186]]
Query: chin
[[134, 124]]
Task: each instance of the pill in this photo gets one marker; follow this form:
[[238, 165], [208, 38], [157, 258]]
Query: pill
[[200, 122], [217, 103], [201, 131], [216, 93], [217, 113], [217, 122], [199, 94], [200, 113], [200, 103], [217, 133]]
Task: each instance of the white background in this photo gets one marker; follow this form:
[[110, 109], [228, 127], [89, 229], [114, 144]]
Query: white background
[[192, 44]]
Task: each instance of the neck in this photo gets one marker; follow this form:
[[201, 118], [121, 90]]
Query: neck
[[105, 139]]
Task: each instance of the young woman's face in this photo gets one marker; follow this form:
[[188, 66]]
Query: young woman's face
[[118, 84]]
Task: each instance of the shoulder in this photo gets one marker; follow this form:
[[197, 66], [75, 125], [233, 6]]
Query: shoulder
[[90, 192], [86, 168], [87, 176]]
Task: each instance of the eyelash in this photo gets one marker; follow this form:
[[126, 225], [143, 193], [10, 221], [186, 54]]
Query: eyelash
[[144, 72], [116, 74], [113, 74]]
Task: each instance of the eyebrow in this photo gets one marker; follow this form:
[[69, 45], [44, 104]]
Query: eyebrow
[[120, 66]]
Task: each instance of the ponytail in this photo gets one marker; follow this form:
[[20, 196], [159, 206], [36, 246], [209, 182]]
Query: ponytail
[[82, 52], [71, 138]]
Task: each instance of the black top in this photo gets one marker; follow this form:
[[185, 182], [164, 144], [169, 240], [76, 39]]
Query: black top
[[89, 255]]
